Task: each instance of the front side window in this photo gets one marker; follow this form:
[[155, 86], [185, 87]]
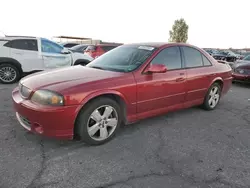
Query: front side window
[[51, 47], [192, 56], [171, 57], [23, 44], [123, 58]]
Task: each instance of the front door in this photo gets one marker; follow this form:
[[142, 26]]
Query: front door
[[159, 91], [52, 56]]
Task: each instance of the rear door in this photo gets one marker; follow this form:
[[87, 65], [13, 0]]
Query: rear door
[[53, 56], [26, 52], [199, 73]]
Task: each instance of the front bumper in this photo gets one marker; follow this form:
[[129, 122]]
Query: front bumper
[[57, 122]]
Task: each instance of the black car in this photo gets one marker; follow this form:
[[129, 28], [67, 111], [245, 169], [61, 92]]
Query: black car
[[69, 44], [216, 54], [230, 56]]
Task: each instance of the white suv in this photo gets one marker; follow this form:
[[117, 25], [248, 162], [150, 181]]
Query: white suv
[[22, 55]]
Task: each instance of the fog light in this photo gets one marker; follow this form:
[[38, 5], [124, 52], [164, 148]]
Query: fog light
[[38, 128]]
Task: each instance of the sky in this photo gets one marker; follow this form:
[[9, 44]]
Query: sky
[[212, 23]]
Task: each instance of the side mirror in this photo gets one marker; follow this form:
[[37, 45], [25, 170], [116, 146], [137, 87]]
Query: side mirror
[[65, 51], [156, 68]]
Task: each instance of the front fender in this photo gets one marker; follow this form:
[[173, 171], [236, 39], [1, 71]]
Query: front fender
[[100, 93]]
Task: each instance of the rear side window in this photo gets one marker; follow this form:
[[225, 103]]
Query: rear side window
[[206, 62], [23, 44], [193, 57], [107, 48]]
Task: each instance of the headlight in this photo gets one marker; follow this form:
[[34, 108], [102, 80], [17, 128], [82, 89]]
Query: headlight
[[46, 97]]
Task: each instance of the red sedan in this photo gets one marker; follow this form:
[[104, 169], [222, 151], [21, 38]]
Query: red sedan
[[129, 83]]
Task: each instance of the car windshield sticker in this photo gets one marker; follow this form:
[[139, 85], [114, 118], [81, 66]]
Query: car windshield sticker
[[146, 48]]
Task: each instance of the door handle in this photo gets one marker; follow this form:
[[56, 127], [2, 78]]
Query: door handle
[[46, 57], [180, 79]]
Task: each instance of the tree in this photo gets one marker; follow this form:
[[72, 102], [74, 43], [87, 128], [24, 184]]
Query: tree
[[179, 32]]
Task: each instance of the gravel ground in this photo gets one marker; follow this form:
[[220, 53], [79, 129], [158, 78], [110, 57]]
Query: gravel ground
[[189, 148]]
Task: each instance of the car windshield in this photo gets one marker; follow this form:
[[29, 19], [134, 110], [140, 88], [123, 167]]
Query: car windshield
[[123, 58]]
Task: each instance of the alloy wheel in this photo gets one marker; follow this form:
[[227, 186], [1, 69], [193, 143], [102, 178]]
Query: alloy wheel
[[102, 123], [7, 74], [214, 97]]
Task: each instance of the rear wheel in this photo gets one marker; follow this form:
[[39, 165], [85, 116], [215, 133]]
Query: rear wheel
[[9, 74], [98, 122], [212, 97]]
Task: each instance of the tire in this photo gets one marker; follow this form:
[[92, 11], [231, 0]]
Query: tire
[[13, 76], [208, 104], [81, 62], [86, 118]]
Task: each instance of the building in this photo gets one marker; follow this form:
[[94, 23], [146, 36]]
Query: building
[[80, 40]]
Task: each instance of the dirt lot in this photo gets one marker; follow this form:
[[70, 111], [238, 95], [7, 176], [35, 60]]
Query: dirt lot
[[190, 148]]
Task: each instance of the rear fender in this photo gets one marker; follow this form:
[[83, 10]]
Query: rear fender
[[215, 80]]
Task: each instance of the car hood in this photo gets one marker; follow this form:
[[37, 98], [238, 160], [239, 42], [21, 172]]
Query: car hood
[[64, 78]]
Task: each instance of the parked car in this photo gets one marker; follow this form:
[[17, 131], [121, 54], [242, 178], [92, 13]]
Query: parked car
[[97, 50], [127, 84], [79, 48], [241, 70], [69, 44], [24, 55], [230, 56], [245, 59], [216, 54]]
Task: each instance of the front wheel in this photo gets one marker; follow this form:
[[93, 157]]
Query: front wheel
[[98, 122], [212, 97]]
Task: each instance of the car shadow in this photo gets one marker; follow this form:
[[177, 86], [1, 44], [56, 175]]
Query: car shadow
[[53, 144], [241, 84]]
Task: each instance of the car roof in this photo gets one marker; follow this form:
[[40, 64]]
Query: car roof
[[12, 37], [104, 44], [159, 44]]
